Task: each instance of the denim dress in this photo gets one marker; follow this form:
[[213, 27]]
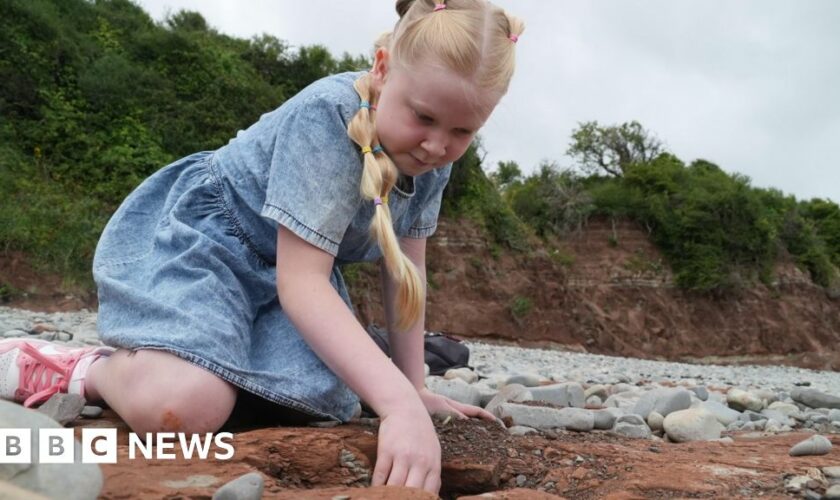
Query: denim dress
[[187, 264]]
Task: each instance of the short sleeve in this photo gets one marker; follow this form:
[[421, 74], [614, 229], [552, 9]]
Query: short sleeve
[[426, 223], [314, 176]]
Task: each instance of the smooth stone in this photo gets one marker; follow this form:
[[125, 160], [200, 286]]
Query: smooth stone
[[700, 391], [245, 487], [655, 421], [515, 393], [604, 419], [15, 334], [692, 425], [832, 472], [814, 398], [814, 445], [787, 409], [832, 493], [465, 374], [598, 390], [63, 408], [724, 414], [538, 417], [631, 419], [834, 415], [751, 416], [741, 400], [11, 492], [768, 396], [75, 481], [426, 370], [662, 401], [593, 401], [625, 400], [621, 387], [455, 389], [564, 394], [521, 430], [796, 484], [96, 412], [526, 379], [631, 431]]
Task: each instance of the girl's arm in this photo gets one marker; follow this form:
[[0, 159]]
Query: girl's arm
[[332, 331], [406, 347]]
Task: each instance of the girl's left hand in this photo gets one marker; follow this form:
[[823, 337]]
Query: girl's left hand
[[437, 404]]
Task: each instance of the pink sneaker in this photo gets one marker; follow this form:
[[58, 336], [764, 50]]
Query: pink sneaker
[[33, 370]]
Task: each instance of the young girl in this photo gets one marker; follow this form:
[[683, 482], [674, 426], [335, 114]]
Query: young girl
[[219, 273]]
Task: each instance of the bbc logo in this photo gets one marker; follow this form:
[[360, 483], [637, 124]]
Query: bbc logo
[[57, 446]]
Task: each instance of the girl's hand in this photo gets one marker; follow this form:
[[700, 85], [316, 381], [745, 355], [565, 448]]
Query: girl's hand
[[437, 405], [408, 453]]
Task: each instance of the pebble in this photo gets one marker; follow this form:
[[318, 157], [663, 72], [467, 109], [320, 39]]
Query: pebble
[[515, 393], [574, 419], [245, 487], [465, 374], [814, 398], [700, 391], [662, 401], [521, 480], [63, 408], [526, 379], [832, 472], [722, 413], [655, 421], [832, 493], [814, 445], [834, 415], [73, 481], [741, 400], [564, 394], [633, 431], [787, 409], [455, 389], [598, 390], [604, 419], [91, 412], [692, 425], [521, 430]]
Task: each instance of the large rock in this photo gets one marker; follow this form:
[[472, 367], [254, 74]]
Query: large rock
[[662, 401], [692, 425], [575, 419], [724, 414], [814, 445], [742, 400], [814, 398], [565, 394], [66, 481]]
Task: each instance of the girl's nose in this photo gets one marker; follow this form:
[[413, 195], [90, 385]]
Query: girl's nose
[[434, 146]]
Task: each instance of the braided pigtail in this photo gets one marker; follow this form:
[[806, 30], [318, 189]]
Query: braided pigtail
[[378, 178]]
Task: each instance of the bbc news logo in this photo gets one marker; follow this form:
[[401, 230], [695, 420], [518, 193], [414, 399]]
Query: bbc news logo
[[99, 446]]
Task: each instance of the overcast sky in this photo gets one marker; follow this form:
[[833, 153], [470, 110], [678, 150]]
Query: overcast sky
[[751, 85]]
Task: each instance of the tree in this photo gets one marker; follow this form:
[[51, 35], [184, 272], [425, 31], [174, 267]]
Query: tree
[[613, 148], [507, 174]]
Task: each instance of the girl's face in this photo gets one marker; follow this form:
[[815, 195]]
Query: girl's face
[[426, 116]]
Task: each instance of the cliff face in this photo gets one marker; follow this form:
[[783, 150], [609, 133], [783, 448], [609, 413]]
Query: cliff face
[[608, 290]]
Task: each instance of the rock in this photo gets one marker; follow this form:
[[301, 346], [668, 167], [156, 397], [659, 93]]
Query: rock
[[814, 398], [631, 419], [739, 399], [814, 445], [574, 419], [426, 370], [465, 374], [515, 393], [63, 408], [10, 491], [15, 334], [593, 401], [834, 415], [722, 413], [455, 389], [521, 480], [662, 401], [598, 390], [521, 430], [75, 481], [796, 484], [246, 487], [604, 419], [767, 396], [620, 388], [526, 379], [832, 472], [631, 431], [96, 412], [787, 409], [565, 394], [832, 493], [655, 421], [700, 391], [692, 425]]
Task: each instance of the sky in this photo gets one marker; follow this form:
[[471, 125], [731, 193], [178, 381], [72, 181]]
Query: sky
[[750, 85]]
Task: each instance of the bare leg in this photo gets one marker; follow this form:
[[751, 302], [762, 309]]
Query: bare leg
[[157, 391]]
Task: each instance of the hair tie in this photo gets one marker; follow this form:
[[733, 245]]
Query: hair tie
[[380, 201], [439, 6], [377, 149], [366, 150], [364, 104], [514, 38]]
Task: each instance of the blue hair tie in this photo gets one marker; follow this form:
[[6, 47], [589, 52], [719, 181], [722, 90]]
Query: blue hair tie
[[377, 149], [364, 104]]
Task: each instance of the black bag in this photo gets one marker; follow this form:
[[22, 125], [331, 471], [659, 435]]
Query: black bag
[[441, 352]]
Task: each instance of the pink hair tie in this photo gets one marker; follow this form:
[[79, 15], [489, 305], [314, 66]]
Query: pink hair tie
[[439, 6], [513, 38], [377, 201]]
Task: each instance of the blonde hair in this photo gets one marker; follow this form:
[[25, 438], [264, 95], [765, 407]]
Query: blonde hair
[[472, 38]]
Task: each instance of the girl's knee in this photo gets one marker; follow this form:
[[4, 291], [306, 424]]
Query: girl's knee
[[174, 395]]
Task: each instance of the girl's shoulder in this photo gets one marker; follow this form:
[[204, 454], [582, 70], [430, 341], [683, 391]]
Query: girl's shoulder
[[334, 90]]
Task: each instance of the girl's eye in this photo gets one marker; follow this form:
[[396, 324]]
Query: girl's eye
[[423, 118]]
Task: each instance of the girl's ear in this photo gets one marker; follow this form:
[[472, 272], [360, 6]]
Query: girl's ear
[[381, 66]]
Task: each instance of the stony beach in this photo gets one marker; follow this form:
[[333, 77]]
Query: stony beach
[[539, 392]]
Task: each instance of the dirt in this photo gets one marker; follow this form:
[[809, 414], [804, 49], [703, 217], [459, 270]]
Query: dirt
[[478, 457]]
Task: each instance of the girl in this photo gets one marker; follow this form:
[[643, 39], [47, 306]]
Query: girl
[[219, 272]]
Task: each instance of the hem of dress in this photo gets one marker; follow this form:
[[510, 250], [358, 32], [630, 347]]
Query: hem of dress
[[310, 235], [421, 232], [240, 381]]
